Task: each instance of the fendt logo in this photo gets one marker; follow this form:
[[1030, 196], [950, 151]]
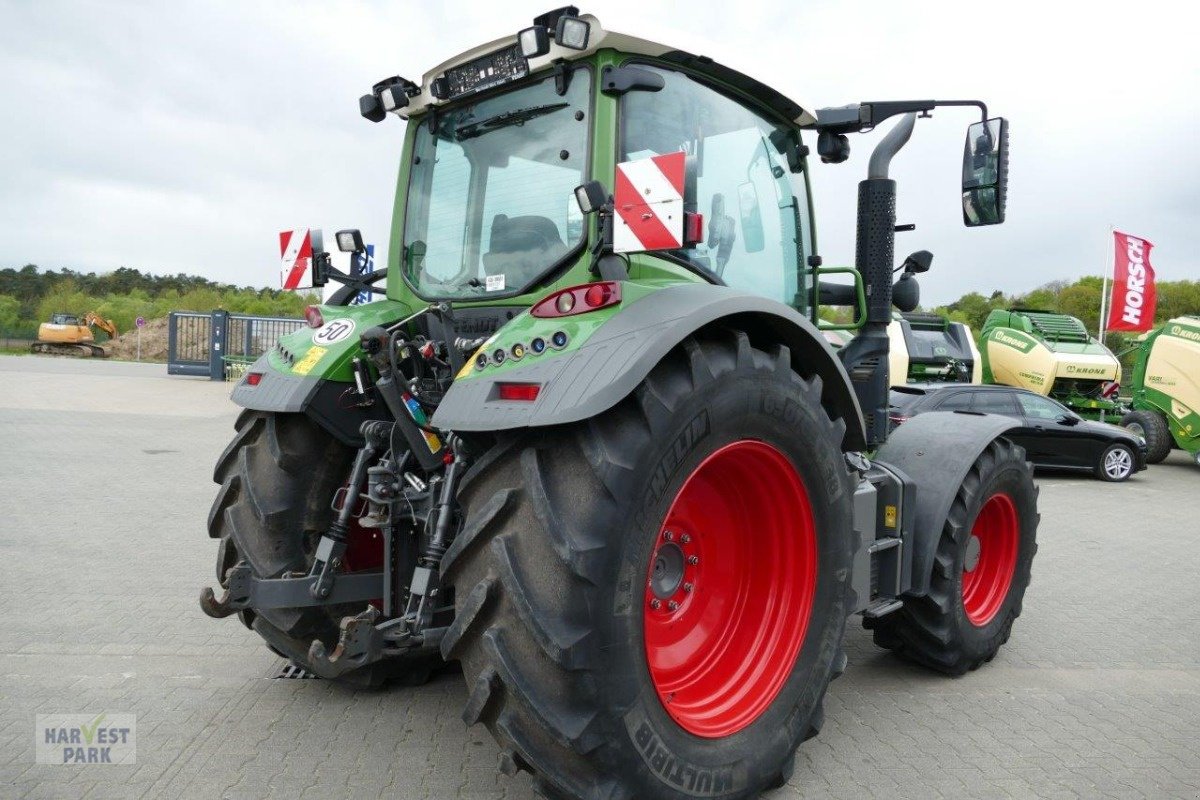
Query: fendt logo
[[1024, 345], [1185, 333], [1135, 284]]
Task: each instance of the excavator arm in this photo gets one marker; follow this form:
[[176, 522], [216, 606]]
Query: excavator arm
[[106, 325]]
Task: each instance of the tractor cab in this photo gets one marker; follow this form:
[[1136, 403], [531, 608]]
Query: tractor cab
[[501, 139]]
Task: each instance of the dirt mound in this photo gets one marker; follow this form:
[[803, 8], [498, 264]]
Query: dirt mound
[[154, 342]]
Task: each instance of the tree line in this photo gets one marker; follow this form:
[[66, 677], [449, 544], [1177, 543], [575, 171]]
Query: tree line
[[29, 296], [1079, 298]]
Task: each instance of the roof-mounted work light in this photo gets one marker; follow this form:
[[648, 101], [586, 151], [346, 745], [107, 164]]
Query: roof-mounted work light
[[562, 24], [534, 41], [390, 94], [572, 33]]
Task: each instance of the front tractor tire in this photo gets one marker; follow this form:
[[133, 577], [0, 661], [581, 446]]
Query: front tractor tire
[[650, 603], [980, 573], [278, 477]]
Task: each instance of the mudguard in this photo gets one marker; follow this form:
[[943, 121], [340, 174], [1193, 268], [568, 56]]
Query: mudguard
[[936, 450], [608, 366]]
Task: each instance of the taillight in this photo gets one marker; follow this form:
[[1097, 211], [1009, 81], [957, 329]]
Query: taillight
[[896, 419], [578, 300], [312, 315], [253, 378], [528, 392]]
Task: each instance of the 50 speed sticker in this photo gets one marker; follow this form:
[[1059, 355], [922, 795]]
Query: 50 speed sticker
[[305, 365], [334, 331]]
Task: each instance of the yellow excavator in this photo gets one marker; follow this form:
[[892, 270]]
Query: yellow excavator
[[68, 335]]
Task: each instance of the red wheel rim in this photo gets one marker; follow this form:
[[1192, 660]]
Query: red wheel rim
[[729, 589], [992, 559]]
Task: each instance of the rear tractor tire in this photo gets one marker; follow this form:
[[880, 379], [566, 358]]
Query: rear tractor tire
[[1151, 426], [277, 479], [980, 573], [650, 603]]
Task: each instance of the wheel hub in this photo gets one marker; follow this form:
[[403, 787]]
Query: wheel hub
[[974, 547], [666, 574]]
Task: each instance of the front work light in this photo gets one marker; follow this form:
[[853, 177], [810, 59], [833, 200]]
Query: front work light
[[590, 196], [572, 33], [534, 41], [350, 241]]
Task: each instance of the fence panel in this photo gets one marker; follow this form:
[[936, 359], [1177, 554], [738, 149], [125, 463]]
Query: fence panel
[[219, 345]]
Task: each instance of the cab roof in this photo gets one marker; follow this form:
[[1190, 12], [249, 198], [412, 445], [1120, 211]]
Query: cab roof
[[603, 39]]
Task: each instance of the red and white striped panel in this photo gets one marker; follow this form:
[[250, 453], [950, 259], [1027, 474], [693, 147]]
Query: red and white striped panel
[[649, 204], [295, 252]]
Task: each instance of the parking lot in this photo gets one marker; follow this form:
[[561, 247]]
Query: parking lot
[[103, 550]]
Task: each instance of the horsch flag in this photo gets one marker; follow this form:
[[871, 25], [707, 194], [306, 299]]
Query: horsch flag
[[1133, 300]]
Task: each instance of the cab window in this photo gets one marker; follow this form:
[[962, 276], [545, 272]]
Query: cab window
[[756, 216]]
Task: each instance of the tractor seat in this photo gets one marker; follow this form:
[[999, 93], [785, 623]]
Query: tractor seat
[[520, 248]]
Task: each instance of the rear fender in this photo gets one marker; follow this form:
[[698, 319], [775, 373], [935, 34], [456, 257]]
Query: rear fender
[[589, 379], [935, 451]]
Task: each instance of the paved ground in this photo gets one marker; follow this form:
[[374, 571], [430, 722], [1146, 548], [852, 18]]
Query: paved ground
[[103, 550]]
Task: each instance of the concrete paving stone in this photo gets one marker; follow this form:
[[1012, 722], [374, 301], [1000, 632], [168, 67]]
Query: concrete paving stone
[[1096, 695]]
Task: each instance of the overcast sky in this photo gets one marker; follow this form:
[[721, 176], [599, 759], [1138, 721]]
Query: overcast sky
[[182, 136]]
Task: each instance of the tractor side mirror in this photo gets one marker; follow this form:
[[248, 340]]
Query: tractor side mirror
[[985, 172]]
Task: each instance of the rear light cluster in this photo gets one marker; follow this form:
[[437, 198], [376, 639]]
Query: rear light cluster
[[896, 419], [537, 345], [312, 315], [578, 300]]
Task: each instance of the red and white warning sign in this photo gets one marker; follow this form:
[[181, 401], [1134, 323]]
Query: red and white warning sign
[[649, 204], [296, 254]]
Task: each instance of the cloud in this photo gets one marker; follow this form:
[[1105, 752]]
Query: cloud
[[184, 136]]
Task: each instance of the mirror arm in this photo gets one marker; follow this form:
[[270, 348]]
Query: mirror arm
[[865, 116]]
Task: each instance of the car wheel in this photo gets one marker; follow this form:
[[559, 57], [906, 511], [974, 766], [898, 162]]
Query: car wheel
[[1116, 463]]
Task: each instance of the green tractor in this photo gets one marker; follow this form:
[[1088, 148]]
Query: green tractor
[[594, 445], [1166, 389], [1054, 355]]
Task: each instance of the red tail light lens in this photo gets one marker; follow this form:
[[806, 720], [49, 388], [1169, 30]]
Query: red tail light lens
[[312, 315], [896, 419], [253, 378], [578, 300], [527, 392]]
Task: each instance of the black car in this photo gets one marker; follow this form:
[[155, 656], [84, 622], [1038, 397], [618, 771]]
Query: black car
[[1052, 435]]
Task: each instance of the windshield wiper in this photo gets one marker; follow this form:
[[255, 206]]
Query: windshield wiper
[[502, 120]]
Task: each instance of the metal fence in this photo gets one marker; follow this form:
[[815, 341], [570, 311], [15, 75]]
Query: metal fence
[[219, 345]]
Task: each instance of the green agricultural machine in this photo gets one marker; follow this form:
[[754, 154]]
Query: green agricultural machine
[[1166, 389], [1053, 355], [594, 446]]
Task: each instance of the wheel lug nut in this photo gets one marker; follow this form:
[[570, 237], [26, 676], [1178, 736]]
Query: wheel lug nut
[[672, 605], [668, 535], [685, 539], [693, 560], [687, 587], [655, 604]]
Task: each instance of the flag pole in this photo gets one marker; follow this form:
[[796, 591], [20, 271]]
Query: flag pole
[[1109, 267]]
